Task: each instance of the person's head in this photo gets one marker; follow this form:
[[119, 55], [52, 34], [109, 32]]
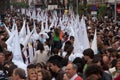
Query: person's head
[[105, 59], [118, 64], [40, 46], [18, 74], [71, 70], [43, 75], [93, 70], [55, 66], [72, 39], [40, 66], [39, 75], [38, 29], [65, 61], [97, 61], [32, 74], [116, 38], [109, 51], [116, 45], [88, 54], [79, 62], [67, 44], [11, 66], [55, 63], [8, 56], [31, 66], [51, 29]]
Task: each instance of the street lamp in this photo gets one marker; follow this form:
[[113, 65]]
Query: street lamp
[[115, 10]]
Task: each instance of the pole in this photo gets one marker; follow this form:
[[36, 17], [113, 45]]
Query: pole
[[115, 3], [77, 6], [85, 3]]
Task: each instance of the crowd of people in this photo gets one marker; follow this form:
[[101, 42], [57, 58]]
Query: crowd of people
[[53, 59]]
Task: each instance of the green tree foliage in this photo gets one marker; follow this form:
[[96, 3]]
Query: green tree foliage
[[81, 9], [102, 10], [20, 5], [88, 6]]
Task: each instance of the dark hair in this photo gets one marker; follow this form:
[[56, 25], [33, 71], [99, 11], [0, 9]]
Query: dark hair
[[51, 28], [72, 37], [65, 61], [7, 55], [97, 59], [118, 60], [40, 46], [41, 65], [93, 69], [111, 50], [20, 72], [30, 66], [88, 52], [79, 62], [67, 44], [56, 60], [11, 68], [55, 50]]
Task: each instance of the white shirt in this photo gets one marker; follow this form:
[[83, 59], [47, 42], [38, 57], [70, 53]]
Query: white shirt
[[64, 54], [71, 57], [73, 78]]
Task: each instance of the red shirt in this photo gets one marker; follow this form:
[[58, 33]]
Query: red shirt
[[118, 77], [78, 78]]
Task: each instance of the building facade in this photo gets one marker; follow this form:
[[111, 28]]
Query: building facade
[[5, 4], [102, 1]]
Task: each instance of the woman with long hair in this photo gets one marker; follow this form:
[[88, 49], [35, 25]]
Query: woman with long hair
[[41, 55]]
